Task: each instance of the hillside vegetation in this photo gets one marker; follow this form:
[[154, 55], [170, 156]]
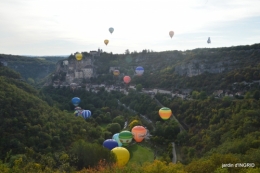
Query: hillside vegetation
[[39, 132]]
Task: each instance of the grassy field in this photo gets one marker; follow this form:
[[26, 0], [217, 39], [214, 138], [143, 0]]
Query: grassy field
[[140, 154]]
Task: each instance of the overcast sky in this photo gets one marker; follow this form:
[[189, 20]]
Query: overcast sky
[[62, 27]]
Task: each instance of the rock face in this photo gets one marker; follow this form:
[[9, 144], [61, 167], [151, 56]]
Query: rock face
[[196, 67], [73, 71]]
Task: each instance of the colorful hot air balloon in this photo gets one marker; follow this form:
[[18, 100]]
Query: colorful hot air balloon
[[77, 108], [139, 133], [125, 137], [209, 41], [86, 114], [127, 79], [111, 30], [165, 113], [116, 72], [106, 41], [79, 56], [122, 155], [116, 138], [171, 33], [110, 144], [75, 101], [139, 70]]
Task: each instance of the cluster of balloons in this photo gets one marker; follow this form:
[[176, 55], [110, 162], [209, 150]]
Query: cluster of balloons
[[121, 140], [78, 111], [111, 30], [127, 79]]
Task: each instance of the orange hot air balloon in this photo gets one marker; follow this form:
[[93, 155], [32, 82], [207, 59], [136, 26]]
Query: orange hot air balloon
[[139, 133], [165, 113], [171, 33], [127, 79], [106, 41]]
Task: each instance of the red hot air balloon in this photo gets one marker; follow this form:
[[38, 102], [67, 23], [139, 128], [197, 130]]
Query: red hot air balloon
[[127, 79]]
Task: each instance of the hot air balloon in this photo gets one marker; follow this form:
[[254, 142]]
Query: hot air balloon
[[139, 133], [75, 101], [165, 113], [77, 108], [86, 114], [110, 144], [76, 113], [139, 70], [127, 79], [125, 137], [106, 42], [111, 30], [122, 155], [79, 56], [209, 41], [128, 58], [171, 33], [116, 138], [116, 72]]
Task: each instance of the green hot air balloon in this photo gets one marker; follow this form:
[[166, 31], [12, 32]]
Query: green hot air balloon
[[125, 137]]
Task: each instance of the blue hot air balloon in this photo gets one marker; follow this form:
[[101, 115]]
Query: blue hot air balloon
[[110, 144], [116, 138], [75, 101], [111, 30], [86, 114], [139, 70]]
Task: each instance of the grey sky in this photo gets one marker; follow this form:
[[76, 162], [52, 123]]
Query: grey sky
[[59, 27]]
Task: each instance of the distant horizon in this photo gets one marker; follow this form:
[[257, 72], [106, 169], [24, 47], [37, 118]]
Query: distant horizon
[[59, 55]]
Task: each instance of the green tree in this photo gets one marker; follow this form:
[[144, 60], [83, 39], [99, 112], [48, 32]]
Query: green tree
[[139, 87], [114, 128]]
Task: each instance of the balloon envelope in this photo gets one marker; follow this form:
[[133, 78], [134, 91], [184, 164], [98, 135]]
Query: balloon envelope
[[165, 113], [116, 72], [79, 56], [139, 133], [110, 144], [106, 42], [122, 155], [76, 113], [86, 114], [111, 30], [125, 137], [171, 33], [209, 41], [75, 101], [116, 138], [139, 70], [127, 79]]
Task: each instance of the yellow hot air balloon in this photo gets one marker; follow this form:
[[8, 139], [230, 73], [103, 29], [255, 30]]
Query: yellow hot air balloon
[[122, 155], [116, 72], [106, 41], [171, 33], [79, 56]]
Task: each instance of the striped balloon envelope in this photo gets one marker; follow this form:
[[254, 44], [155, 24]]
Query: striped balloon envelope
[[165, 113], [86, 114]]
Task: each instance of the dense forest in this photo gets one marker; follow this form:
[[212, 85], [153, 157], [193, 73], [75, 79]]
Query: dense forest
[[40, 133]]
